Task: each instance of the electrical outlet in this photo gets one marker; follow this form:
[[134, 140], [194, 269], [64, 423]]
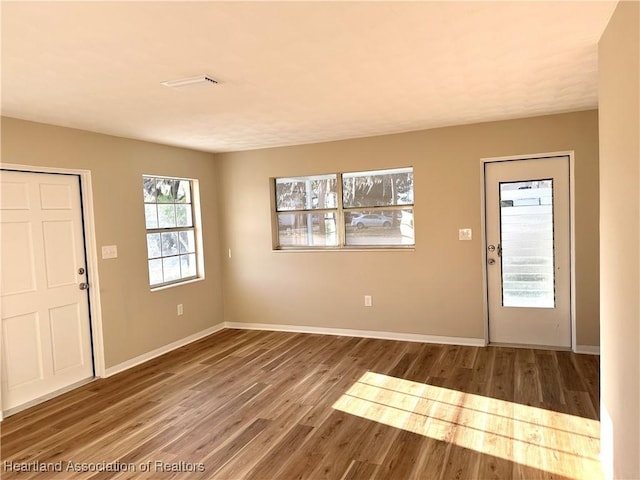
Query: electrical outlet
[[180, 309], [368, 301]]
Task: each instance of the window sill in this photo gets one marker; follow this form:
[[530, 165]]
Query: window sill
[[177, 284]]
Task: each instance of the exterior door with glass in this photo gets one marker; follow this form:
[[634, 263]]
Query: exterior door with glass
[[528, 242]]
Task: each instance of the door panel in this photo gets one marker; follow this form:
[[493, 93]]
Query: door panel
[[528, 251], [60, 253], [55, 197], [66, 342], [46, 340], [24, 351], [16, 250], [14, 196]]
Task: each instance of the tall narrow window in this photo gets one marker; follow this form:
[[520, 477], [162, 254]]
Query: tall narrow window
[[171, 230]]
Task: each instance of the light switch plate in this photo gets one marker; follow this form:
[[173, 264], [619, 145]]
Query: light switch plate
[[465, 234], [109, 251]]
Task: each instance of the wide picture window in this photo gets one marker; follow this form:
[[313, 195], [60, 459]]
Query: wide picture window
[[171, 230], [357, 209]]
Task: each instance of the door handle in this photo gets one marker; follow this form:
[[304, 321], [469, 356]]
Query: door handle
[[83, 286]]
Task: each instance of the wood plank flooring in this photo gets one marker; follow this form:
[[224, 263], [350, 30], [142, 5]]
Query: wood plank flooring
[[246, 404]]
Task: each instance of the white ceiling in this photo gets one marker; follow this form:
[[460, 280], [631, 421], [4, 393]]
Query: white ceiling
[[295, 72]]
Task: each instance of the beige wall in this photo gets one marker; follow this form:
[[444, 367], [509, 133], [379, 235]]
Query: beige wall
[[619, 81], [135, 320], [435, 289]]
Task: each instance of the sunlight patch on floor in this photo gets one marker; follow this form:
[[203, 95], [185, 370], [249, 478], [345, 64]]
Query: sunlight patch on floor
[[555, 442]]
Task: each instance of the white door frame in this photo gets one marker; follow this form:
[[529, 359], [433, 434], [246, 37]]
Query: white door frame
[[572, 232], [95, 310]]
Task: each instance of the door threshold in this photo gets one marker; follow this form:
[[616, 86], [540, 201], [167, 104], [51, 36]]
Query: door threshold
[[44, 398], [530, 346]]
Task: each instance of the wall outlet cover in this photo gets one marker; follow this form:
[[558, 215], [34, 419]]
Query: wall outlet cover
[[109, 251], [465, 234]]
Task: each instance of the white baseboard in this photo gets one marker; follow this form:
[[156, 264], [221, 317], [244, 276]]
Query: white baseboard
[[587, 349], [162, 350], [606, 442], [345, 332], [407, 337]]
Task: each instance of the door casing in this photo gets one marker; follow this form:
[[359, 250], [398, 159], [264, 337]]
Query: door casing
[[570, 154], [95, 310]]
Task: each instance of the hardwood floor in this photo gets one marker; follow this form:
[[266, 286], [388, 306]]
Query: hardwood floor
[[272, 405]]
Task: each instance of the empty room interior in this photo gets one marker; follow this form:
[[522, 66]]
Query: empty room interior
[[343, 240]]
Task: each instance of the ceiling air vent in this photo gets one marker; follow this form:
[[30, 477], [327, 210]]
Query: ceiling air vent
[[184, 82]]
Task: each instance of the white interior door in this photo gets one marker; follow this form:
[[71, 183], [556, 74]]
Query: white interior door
[[528, 251], [46, 338]]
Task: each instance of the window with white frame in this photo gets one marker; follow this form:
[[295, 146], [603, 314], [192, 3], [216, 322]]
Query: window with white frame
[[370, 209], [172, 235]]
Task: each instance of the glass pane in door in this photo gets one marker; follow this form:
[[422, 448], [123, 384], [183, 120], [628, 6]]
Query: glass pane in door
[[526, 224]]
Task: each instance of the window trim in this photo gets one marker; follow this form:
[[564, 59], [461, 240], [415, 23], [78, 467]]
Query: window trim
[[196, 228], [339, 211]]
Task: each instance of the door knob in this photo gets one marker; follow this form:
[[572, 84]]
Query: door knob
[[83, 286]]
